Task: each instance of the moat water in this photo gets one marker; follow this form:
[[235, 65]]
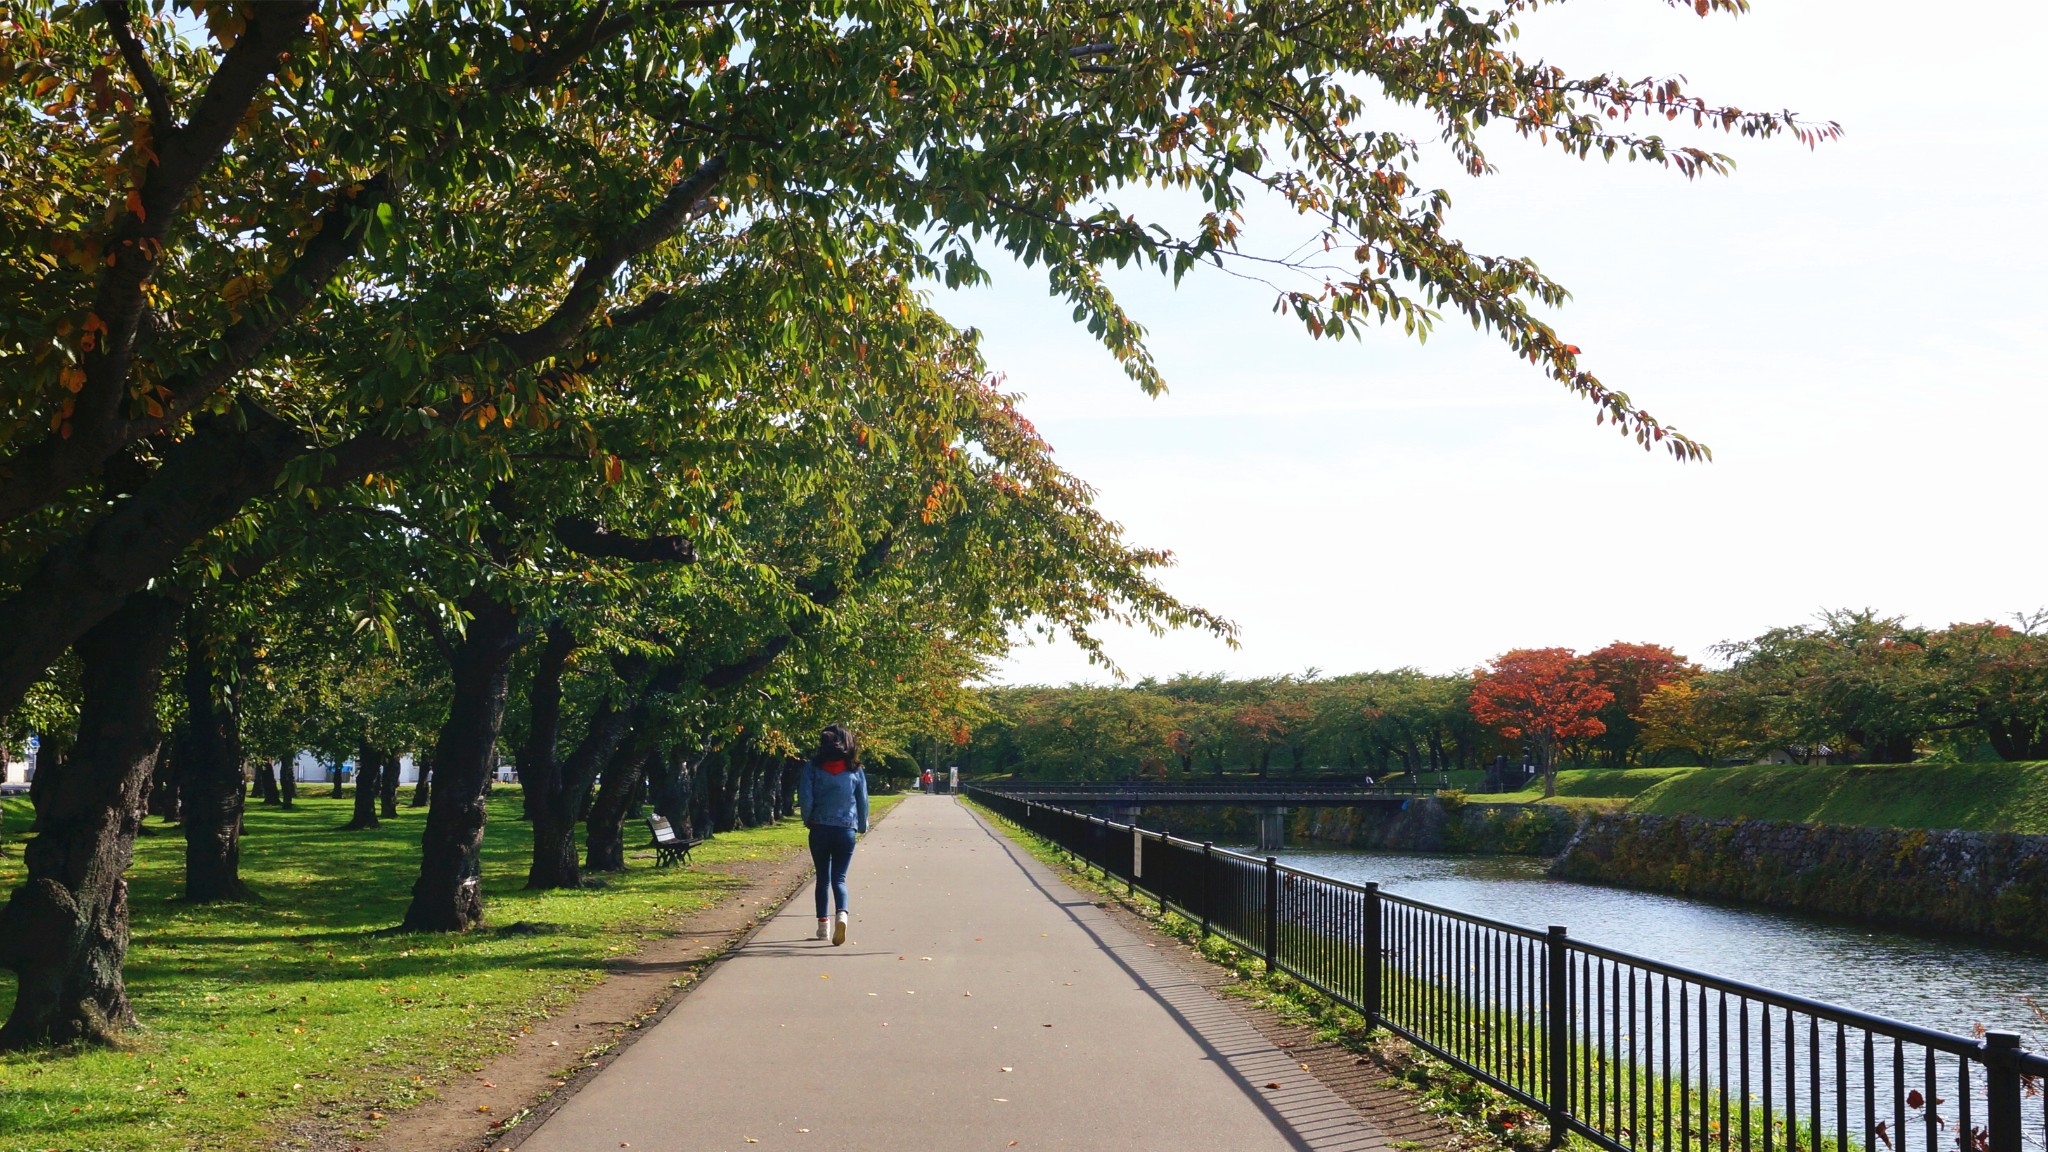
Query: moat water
[[1917, 978]]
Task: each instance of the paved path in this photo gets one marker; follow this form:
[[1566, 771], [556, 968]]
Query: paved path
[[979, 1002]]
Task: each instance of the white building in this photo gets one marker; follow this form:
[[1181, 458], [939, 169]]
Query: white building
[[17, 765], [310, 769]]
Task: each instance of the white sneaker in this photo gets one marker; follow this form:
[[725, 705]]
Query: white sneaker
[[838, 928], [821, 929]]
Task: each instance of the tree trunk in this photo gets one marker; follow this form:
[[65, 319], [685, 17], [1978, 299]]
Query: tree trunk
[[746, 790], [540, 779], [211, 756], [64, 931], [732, 781], [448, 896], [287, 780], [558, 791], [672, 791], [2015, 737], [775, 792], [165, 795], [605, 833], [265, 786], [424, 790], [704, 778], [369, 781], [336, 773], [387, 788]]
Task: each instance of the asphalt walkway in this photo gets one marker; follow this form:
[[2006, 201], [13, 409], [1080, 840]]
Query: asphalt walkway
[[979, 1002]]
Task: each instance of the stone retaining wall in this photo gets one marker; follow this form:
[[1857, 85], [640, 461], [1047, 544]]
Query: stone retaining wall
[[1429, 824], [1423, 824], [1980, 883]]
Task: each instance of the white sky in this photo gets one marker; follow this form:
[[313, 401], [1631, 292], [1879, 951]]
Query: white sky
[[1856, 332]]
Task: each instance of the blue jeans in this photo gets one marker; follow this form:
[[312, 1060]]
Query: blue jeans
[[831, 852]]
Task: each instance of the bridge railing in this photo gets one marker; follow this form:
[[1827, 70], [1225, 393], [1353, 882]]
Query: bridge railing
[[1177, 787], [1632, 1053]]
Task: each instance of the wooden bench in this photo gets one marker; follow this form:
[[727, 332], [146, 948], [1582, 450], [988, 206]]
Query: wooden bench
[[668, 847]]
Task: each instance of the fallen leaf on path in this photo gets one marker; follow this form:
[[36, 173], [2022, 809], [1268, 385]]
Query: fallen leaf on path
[[803, 1129], [1008, 1069], [824, 975], [1304, 1067], [1273, 1086], [1000, 1099]]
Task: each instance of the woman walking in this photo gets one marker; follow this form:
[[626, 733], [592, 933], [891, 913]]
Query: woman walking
[[833, 792]]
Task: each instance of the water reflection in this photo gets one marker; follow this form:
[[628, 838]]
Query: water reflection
[[1918, 979]]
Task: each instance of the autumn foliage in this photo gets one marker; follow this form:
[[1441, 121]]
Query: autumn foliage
[[1542, 695]]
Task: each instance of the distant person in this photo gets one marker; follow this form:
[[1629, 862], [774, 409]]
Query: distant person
[[925, 781], [833, 793]]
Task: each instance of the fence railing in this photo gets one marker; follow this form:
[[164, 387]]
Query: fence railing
[[1634, 1054], [1141, 788]]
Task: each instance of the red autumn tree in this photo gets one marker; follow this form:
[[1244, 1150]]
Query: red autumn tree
[[1631, 672], [1543, 696]]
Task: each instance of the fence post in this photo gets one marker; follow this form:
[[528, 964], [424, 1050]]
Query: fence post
[[1208, 851], [1375, 949], [1557, 1033], [1137, 859], [2003, 1081], [1272, 914]]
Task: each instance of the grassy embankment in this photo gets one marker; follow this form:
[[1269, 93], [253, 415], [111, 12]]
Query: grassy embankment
[[256, 1014], [1978, 797]]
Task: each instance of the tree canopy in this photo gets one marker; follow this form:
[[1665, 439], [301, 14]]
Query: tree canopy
[[564, 382]]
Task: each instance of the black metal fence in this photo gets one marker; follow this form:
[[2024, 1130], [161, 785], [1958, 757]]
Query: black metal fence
[[1632, 1053]]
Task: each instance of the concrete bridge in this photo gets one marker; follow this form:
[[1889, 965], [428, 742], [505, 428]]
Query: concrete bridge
[[1122, 801]]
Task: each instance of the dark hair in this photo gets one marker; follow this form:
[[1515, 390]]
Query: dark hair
[[836, 743]]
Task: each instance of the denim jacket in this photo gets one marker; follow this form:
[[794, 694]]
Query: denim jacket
[[834, 801]]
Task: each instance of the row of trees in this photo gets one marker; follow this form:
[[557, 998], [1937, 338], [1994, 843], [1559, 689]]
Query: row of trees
[[1853, 687], [1528, 701], [557, 377], [1858, 686]]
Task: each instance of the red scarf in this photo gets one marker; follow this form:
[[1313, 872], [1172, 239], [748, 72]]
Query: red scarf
[[833, 767]]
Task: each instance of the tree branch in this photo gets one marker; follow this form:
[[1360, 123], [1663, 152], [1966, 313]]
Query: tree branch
[[664, 220], [46, 469], [587, 538], [117, 14]]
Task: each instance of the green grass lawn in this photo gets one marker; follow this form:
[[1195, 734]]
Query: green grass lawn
[[1595, 784], [1993, 797], [255, 1014]]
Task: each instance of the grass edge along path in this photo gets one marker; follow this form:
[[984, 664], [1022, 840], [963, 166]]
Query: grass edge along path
[[258, 1015], [1478, 1117]]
